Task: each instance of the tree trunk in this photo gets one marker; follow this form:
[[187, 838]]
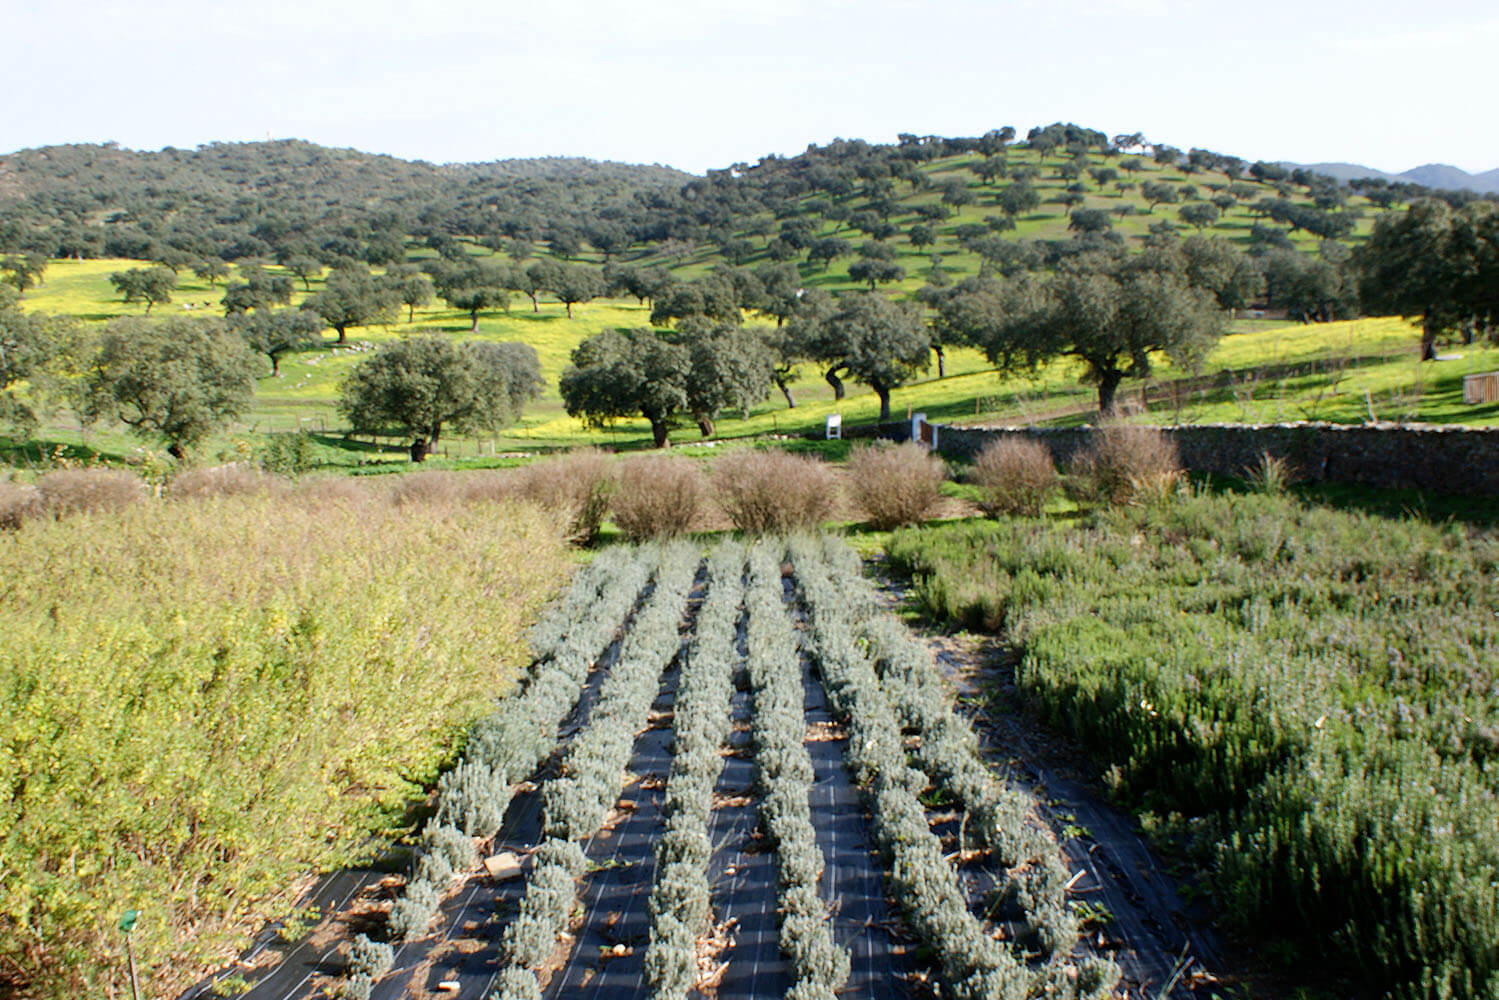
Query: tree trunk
[[474, 315], [535, 305], [343, 332], [149, 304], [410, 311], [785, 391], [1108, 385], [941, 360], [275, 366], [569, 309], [419, 450], [433, 434], [1428, 339], [884, 393], [175, 450], [836, 382], [705, 424], [659, 432]]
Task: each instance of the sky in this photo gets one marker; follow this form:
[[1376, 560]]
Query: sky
[[697, 84]]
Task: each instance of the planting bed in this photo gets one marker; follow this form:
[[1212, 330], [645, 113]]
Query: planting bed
[[730, 778]]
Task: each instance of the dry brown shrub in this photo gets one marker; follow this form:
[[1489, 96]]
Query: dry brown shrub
[[577, 486], [773, 492], [427, 488], [1126, 463], [658, 496], [89, 491], [488, 486], [895, 484], [233, 480], [1015, 474], [331, 491], [18, 503]]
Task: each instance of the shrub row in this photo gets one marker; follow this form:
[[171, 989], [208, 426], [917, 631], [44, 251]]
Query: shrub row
[[999, 815], [576, 803], [785, 775], [510, 743], [551, 892], [973, 964], [680, 896]]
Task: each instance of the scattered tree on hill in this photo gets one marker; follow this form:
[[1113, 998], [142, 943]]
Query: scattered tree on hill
[[351, 297], [538, 277], [24, 271], [1090, 220], [731, 367], [304, 267], [872, 340], [1200, 215], [620, 373], [1158, 192], [275, 332], [423, 385], [256, 288], [1311, 289], [828, 249], [410, 287], [178, 379], [1426, 262], [1018, 198], [475, 287], [28, 342], [212, 270], [151, 285], [872, 271], [1109, 312]]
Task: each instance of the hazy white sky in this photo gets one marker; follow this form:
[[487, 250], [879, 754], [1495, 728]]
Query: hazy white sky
[[706, 84]]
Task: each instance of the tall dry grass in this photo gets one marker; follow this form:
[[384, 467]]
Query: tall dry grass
[[895, 484], [200, 701], [773, 492], [234, 479], [658, 496]]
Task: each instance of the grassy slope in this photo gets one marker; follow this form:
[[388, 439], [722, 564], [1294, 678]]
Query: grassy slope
[[303, 396]]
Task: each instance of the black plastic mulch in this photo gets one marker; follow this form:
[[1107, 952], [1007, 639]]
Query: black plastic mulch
[[881, 963], [743, 874], [479, 909], [607, 959]]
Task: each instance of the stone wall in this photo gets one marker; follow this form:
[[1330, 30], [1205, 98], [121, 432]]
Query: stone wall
[[1459, 460]]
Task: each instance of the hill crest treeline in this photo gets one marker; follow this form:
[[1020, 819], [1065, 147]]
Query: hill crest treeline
[[288, 197]]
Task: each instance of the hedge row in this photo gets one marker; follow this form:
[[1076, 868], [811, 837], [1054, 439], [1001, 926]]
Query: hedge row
[[785, 775], [576, 803], [999, 815], [680, 896], [973, 964]]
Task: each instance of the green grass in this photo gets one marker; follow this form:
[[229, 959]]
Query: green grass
[[1303, 694]]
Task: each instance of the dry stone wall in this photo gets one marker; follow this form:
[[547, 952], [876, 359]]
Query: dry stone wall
[[1441, 459]]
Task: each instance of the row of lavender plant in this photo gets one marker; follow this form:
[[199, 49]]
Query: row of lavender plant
[[784, 774], [577, 802], [973, 964], [999, 815], [680, 904], [506, 746]]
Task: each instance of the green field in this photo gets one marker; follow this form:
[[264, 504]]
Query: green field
[[1301, 697], [188, 737]]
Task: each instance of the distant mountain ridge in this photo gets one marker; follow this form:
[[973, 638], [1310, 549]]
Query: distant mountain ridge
[[1437, 176]]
